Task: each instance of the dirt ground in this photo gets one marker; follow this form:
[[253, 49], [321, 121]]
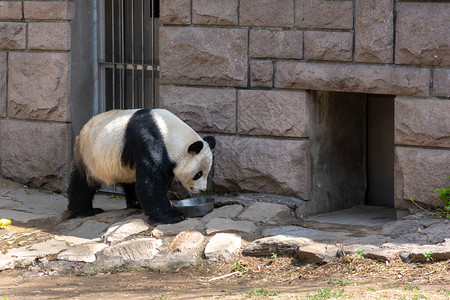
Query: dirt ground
[[261, 278]]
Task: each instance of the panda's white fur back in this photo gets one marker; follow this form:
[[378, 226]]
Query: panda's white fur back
[[101, 143], [102, 140]]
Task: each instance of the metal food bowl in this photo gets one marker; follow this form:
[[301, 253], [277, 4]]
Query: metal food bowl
[[194, 207]]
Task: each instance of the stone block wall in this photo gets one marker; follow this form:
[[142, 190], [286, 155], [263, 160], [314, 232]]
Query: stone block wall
[[243, 70], [35, 114]]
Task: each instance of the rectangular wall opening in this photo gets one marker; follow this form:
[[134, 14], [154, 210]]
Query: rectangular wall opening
[[380, 151], [352, 151]]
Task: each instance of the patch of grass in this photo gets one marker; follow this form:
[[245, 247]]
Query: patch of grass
[[444, 291], [417, 297], [371, 289], [340, 282], [326, 293], [263, 292], [411, 287]]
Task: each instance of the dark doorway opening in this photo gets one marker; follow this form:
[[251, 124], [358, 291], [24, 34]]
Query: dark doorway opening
[[380, 151], [352, 151]]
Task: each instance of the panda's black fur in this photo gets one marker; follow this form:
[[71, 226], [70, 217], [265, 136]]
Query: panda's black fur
[[143, 154]]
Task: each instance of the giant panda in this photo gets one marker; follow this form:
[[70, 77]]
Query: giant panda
[[142, 150]]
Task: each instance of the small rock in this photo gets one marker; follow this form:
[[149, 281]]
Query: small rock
[[89, 230], [352, 245], [296, 231], [382, 254], [222, 246], [173, 229], [186, 240], [279, 244], [134, 250], [317, 253], [263, 212], [28, 254], [437, 232], [71, 240], [7, 262], [227, 225], [227, 211], [120, 231], [83, 252], [421, 253]]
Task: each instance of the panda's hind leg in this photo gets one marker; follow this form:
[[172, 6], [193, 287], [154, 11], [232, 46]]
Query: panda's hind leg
[[130, 195], [81, 192]]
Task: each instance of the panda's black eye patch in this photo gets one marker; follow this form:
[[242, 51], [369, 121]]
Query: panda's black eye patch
[[198, 175]]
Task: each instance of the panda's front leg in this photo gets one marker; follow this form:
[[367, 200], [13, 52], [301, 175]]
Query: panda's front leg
[[151, 192]]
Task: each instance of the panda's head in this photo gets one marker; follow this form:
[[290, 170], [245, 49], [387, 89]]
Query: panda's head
[[193, 168]]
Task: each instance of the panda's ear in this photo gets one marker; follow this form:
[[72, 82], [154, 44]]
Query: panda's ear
[[211, 141], [195, 147]]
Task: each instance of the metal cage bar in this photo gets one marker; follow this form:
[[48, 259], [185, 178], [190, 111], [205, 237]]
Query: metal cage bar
[[127, 61], [128, 65]]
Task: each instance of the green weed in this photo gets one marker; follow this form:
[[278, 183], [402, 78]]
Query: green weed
[[411, 287], [326, 293], [239, 268], [443, 291], [428, 257], [360, 252], [444, 194], [263, 292], [340, 282]]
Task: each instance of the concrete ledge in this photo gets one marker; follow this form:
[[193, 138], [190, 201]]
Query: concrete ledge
[[390, 80]]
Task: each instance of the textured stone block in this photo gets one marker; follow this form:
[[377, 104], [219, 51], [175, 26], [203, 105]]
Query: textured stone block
[[331, 46], [324, 14], [418, 172], [10, 10], [175, 12], [403, 81], [261, 73], [204, 109], [262, 165], [374, 31], [35, 153], [3, 75], [204, 56], [422, 34], [422, 122], [215, 12], [273, 113], [276, 44], [38, 86], [12, 35], [267, 13], [49, 36], [48, 10], [441, 83]]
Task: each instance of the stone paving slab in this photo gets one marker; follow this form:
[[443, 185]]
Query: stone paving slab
[[359, 216], [121, 236]]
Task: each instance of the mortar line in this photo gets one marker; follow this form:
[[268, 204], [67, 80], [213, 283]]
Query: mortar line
[[394, 29]]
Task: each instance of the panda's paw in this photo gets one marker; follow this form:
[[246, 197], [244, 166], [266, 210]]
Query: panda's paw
[[133, 204], [69, 214], [170, 218], [90, 212]]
